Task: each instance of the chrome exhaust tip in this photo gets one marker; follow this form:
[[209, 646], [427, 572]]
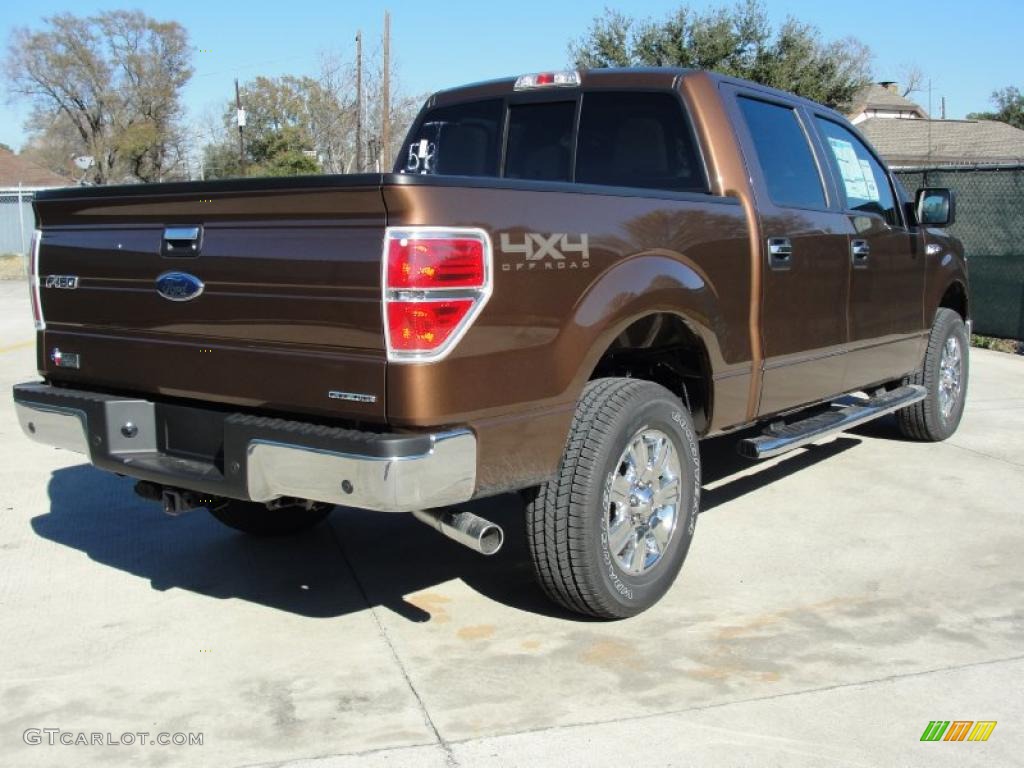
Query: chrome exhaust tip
[[467, 529]]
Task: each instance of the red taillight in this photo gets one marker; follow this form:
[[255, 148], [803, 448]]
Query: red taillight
[[424, 325], [33, 281], [436, 263], [436, 281]]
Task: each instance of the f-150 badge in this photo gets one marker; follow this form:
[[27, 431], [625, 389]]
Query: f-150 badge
[[555, 251]]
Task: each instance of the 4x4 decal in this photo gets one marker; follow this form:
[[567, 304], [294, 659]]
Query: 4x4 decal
[[554, 251]]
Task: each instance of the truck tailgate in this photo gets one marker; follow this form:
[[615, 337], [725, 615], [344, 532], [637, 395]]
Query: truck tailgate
[[289, 313]]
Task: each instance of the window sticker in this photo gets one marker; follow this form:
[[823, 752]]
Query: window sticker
[[869, 181], [852, 171]]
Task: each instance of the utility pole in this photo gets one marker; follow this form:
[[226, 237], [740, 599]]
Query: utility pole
[[930, 113], [385, 98], [359, 101], [240, 116]]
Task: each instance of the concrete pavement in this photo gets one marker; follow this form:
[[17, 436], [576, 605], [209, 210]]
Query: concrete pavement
[[835, 601]]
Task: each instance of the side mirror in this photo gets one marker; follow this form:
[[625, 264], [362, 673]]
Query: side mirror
[[935, 207]]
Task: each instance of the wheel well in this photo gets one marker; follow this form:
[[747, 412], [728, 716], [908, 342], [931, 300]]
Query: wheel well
[[955, 298], [662, 348]]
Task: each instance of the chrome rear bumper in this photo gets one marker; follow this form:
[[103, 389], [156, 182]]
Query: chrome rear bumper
[[250, 457]]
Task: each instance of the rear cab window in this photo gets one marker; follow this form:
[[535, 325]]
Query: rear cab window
[[457, 140], [637, 139], [540, 141], [784, 154]]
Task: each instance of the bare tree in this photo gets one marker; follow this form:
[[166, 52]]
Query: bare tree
[[113, 81], [912, 80]]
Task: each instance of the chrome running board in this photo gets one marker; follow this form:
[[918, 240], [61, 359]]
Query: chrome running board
[[779, 439]]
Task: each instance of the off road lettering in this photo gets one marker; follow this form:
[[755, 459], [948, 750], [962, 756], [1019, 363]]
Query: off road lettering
[[555, 251]]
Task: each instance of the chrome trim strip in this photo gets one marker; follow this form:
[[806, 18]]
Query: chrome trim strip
[[54, 426], [37, 242], [444, 475]]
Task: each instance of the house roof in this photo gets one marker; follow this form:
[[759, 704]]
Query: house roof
[[15, 170], [944, 142], [879, 97]]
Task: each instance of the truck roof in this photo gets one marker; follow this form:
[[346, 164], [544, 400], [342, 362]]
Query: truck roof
[[614, 77]]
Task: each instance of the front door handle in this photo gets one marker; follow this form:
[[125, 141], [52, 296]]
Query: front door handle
[[780, 252], [860, 251]]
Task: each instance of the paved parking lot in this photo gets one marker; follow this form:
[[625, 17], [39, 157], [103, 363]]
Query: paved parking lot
[[834, 602]]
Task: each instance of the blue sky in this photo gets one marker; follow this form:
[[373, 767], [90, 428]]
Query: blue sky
[[967, 49]]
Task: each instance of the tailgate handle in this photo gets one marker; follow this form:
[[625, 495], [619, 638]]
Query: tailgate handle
[[182, 241]]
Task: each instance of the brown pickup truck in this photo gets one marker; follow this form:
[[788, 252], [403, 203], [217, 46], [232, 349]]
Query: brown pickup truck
[[567, 281]]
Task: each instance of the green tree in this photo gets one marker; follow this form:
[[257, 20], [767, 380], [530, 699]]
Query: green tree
[[738, 41], [278, 136], [112, 81], [297, 124], [1010, 107]]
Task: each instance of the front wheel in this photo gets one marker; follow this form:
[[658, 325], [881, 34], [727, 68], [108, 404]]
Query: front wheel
[[609, 533], [943, 374]]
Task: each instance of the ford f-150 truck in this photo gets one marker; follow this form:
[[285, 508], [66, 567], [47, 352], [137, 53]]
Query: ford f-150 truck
[[567, 281]]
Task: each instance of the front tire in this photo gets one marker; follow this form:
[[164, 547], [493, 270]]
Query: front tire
[[258, 520], [608, 535], [944, 375]]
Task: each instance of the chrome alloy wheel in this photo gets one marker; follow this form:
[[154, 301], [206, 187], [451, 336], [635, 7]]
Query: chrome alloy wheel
[[643, 493], [950, 376]]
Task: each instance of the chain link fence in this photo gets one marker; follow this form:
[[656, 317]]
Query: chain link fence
[[16, 221], [990, 223]]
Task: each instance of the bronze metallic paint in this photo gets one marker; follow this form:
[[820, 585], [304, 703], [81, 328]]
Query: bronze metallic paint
[[291, 308], [543, 331]]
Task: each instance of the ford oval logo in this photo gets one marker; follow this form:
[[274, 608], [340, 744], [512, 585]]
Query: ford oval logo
[[179, 286]]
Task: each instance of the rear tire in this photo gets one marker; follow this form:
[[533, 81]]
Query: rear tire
[[608, 535], [257, 520], [944, 375]]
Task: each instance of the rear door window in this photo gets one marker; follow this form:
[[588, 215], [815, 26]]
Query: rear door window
[[540, 141], [637, 140], [862, 179], [784, 154], [457, 140]]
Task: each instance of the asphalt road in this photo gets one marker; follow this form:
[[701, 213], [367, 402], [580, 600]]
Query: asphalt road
[[834, 602]]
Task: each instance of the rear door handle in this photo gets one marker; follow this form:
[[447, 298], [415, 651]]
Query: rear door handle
[[780, 252], [860, 251]]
